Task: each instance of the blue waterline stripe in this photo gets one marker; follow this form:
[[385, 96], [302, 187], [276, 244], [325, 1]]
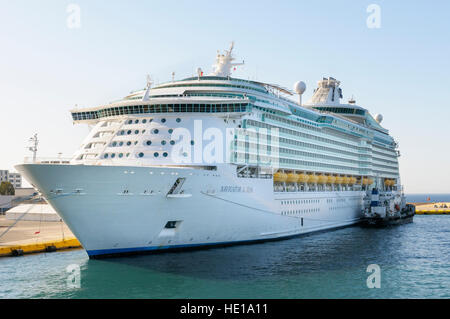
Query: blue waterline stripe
[[136, 249], [100, 252]]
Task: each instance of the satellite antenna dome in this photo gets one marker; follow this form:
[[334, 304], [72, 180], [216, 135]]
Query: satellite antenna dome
[[300, 87], [379, 118]]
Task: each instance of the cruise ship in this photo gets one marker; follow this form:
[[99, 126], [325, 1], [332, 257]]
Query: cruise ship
[[216, 160]]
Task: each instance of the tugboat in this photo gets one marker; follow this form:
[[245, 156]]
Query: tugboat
[[386, 208]]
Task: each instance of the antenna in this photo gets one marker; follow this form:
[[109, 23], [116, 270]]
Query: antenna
[[173, 76], [33, 148], [149, 86], [149, 81], [199, 73]]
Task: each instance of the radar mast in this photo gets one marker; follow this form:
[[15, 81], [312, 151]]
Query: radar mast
[[224, 63]]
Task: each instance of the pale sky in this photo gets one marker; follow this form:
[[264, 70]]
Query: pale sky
[[401, 70]]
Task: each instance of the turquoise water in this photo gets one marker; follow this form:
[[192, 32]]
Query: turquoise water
[[414, 261]]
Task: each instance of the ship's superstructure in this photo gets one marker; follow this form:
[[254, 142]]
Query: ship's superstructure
[[213, 160]]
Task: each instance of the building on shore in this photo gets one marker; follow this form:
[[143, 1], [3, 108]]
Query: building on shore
[[21, 195], [14, 178]]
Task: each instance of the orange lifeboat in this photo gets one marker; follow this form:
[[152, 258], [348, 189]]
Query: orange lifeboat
[[292, 178], [303, 178], [313, 179], [280, 177], [323, 179], [331, 179]]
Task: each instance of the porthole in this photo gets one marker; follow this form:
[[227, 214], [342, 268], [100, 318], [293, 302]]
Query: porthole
[[165, 154], [156, 154], [170, 131], [113, 155], [143, 131], [144, 121], [192, 142], [129, 132], [172, 142], [130, 122], [141, 154], [128, 143], [128, 154], [136, 132], [163, 120], [121, 155], [135, 142], [121, 144], [105, 156], [122, 132], [178, 120], [163, 142], [155, 131], [114, 144], [136, 122], [148, 143]]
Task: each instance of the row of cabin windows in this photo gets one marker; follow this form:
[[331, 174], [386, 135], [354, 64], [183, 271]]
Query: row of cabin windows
[[274, 150], [341, 110], [302, 134], [300, 211], [139, 155], [155, 154], [129, 132], [300, 201], [122, 143], [147, 143], [295, 143], [212, 85], [144, 121], [246, 158]]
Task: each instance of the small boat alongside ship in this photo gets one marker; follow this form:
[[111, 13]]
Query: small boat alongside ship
[[386, 209]]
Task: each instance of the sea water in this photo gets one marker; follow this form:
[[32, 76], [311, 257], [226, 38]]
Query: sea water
[[413, 261]]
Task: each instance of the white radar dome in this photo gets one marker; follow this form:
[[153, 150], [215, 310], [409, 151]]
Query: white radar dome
[[300, 87], [379, 118]]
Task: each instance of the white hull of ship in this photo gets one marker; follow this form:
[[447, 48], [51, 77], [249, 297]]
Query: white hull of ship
[[119, 210]]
